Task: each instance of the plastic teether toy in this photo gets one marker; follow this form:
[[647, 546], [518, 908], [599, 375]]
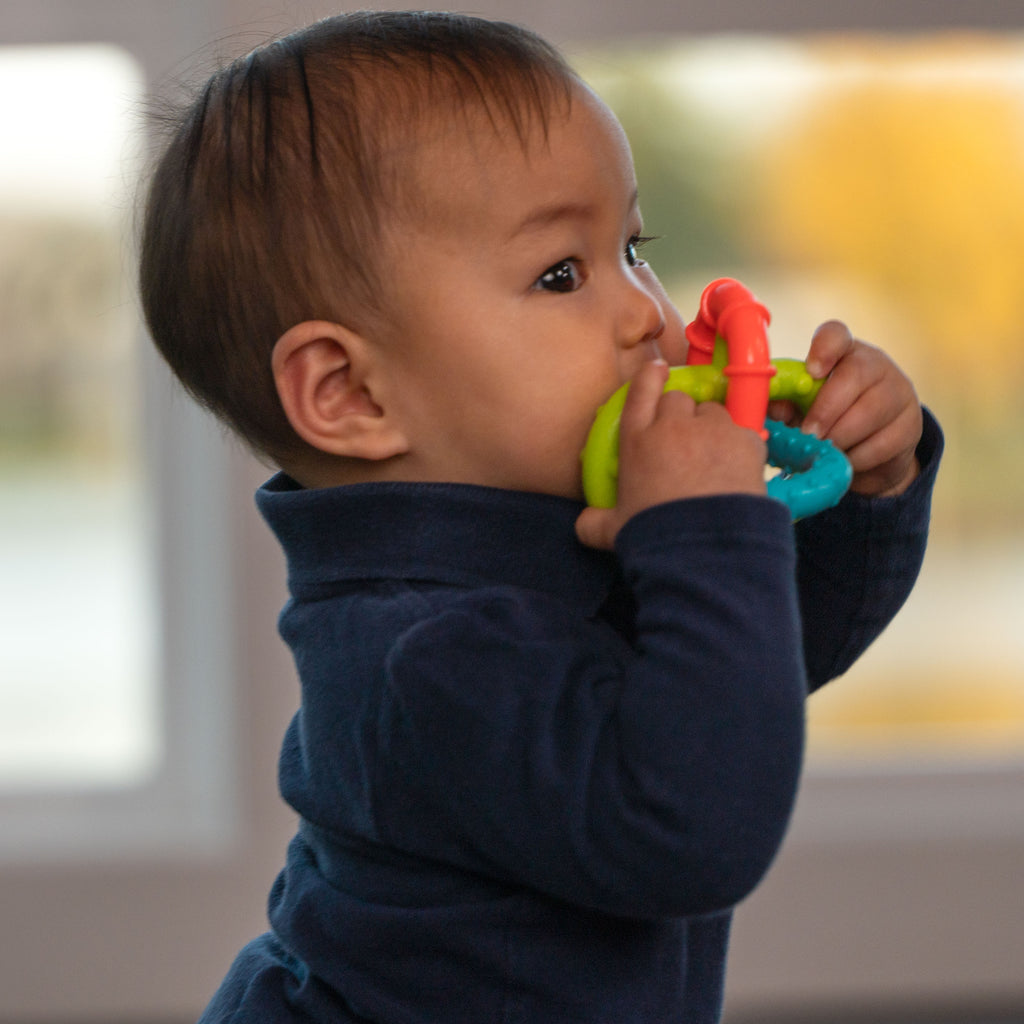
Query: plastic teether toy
[[728, 362]]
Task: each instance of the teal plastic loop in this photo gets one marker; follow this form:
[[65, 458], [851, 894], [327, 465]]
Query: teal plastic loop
[[814, 474]]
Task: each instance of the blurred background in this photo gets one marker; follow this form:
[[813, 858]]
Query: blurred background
[[851, 159]]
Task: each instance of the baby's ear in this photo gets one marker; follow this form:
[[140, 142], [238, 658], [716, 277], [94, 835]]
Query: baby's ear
[[321, 372]]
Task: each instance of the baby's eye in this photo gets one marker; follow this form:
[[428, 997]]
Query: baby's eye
[[633, 247], [563, 276]]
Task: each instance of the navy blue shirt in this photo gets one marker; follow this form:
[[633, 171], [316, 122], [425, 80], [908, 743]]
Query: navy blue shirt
[[533, 778]]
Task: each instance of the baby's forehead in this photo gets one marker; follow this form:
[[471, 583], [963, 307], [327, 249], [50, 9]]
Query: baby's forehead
[[469, 173], [444, 144]]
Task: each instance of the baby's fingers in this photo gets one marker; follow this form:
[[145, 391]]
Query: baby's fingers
[[884, 462], [598, 527], [849, 389], [645, 391], [831, 342]]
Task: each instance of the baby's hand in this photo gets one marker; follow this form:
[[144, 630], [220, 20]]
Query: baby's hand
[[670, 447], [867, 408]]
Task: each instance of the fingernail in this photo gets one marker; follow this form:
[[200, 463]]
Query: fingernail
[[811, 428]]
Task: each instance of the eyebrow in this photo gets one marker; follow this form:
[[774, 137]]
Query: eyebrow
[[551, 214]]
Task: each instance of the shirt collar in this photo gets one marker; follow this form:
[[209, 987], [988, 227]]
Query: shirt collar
[[458, 534]]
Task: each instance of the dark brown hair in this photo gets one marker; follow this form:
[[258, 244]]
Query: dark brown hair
[[266, 205]]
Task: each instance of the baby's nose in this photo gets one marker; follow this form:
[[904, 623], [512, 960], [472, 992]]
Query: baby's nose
[[644, 319]]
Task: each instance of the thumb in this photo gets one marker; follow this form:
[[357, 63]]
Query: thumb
[[598, 527]]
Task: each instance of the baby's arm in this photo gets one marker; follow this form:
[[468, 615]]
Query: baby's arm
[[858, 562], [652, 779]]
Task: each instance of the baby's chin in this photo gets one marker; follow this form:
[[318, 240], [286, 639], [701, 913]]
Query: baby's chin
[[571, 488]]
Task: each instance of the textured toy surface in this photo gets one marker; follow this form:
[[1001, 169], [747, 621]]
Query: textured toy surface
[[728, 362]]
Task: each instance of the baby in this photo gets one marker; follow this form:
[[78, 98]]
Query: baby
[[543, 750]]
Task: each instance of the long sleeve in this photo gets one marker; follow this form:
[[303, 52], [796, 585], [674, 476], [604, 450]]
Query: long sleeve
[[857, 564], [649, 780], [533, 779]]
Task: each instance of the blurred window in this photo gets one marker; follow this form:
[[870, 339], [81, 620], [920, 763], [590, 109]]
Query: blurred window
[[867, 178], [78, 622], [878, 180]]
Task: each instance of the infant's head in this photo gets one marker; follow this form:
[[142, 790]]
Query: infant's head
[[335, 236]]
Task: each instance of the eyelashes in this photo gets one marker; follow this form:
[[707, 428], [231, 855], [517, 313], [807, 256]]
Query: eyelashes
[[633, 247]]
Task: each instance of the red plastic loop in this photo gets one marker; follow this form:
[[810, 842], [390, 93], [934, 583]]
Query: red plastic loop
[[728, 309]]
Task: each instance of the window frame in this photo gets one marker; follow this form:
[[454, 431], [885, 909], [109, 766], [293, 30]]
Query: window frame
[[186, 806]]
